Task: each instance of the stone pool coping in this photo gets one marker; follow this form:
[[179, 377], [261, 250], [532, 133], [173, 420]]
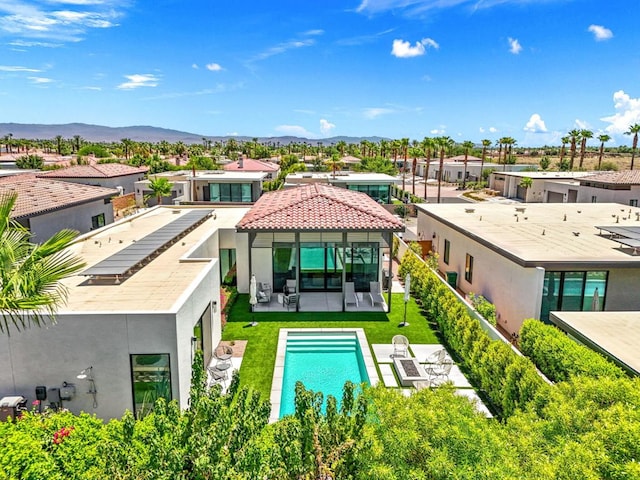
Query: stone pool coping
[[278, 370]]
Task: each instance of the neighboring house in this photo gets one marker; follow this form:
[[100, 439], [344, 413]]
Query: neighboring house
[[546, 187], [605, 187], [250, 165], [46, 206], [376, 185], [110, 175], [137, 323], [145, 196], [320, 237], [453, 171], [529, 260]]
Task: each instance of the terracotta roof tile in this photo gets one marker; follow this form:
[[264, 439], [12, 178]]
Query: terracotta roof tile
[[625, 177], [250, 165], [318, 207], [101, 170], [40, 195]]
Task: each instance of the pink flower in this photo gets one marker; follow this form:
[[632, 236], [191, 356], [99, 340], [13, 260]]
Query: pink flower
[[35, 402]]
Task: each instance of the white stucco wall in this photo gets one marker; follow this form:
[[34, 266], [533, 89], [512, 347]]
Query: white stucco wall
[[609, 196]]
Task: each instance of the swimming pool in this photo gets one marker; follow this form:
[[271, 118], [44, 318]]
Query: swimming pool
[[323, 359]]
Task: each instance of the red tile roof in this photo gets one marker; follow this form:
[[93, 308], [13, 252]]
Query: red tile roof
[[318, 207], [102, 170], [625, 177], [39, 195], [250, 165]]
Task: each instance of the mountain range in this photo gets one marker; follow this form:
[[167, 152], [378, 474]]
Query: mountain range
[[144, 133]]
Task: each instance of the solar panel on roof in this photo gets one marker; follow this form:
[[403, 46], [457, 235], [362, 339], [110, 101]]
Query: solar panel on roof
[[627, 232], [123, 262]]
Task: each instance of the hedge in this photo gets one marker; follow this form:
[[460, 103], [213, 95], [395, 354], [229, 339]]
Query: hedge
[[560, 357]]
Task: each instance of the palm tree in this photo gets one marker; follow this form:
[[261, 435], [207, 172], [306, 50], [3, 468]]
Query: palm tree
[[499, 142], [485, 144], [564, 140], [584, 136], [633, 130], [404, 144], [58, 140], [428, 146], [161, 187], [603, 138], [444, 144], [30, 274], [573, 137], [467, 145], [334, 163], [341, 146], [395, 146]]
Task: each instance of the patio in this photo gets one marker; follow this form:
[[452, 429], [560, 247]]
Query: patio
[[318, 302]]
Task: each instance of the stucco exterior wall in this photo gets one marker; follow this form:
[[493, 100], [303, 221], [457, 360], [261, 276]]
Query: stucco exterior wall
[[125, 181], [602, 195], [77, 217], [622, 290]]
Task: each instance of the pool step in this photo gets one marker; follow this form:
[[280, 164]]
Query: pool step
[[321, 349], [320, 337], [318, 342]]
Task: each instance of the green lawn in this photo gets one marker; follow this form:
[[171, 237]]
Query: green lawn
[[259, 357]]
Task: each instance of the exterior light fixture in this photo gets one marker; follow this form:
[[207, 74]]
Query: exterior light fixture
[[87, 374]]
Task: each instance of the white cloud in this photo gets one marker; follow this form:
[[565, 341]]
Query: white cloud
[[375, 112], [326, 126], [15, 68], [627, 113], [535, 124], [213, 67], [514, 46], [490, 130], [403, 49], [195, 66], [295, 130], [493, 129], [98, 89], [600, 33], [315, 32], [139, 80], [283, 47], [40, 80], [437, 131], [582, 124]]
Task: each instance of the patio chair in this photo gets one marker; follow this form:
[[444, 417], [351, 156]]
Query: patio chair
[[217, 376], [437, 357], [439, 373], [291, 299], [289, 287], [350, 295], [375, 294], [400, 346], [264, 293], [223, 354]]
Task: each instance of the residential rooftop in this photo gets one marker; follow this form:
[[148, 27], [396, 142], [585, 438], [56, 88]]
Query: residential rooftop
[[546, 175], [225, 176], [40, 195], [341, 177], [548, 234], [625, 177], [160, 284], [251, 165], [101, 170]]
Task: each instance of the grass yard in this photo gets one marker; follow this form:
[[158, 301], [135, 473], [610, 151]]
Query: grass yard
[[259, 357]]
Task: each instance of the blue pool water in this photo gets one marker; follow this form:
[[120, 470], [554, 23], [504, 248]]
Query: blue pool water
[[323, 362]]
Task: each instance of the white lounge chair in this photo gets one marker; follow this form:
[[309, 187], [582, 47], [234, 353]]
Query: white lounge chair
[[375, 294], [400, 346], [350, 296]]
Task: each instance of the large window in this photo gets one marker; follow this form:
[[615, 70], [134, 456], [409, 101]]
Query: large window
[[230, 192], [151, 380], [227, 263], [380, 193], [573, 291], [284, 264], [468, 269], [447, 251], [362, 264]]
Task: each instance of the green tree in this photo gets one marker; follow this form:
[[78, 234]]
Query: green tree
[[486, 143], [544, 163], [633, 130], [603, 139], [334, 163], [584, 136], [161, 187], [467, 145], [35, 162], [444, 145], [526, 182], [574, 135], [31, 274], [565, 140], [428, 147]]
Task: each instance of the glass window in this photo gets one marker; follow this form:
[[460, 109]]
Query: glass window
[[573, 291], [214, 192], [97, 221], [594, 291], [151, 380], [447, 250], [230, 192], [227, 261], [284, 264], [468, 269], [594, 199], [633, 202], [362, 264]]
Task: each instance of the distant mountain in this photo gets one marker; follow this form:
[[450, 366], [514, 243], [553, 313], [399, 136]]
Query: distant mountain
[[100, 133]]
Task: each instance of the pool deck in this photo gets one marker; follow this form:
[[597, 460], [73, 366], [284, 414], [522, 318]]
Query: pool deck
[[278, 371]]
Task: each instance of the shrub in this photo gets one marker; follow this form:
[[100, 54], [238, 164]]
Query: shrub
[[35, 162], [484, 307]]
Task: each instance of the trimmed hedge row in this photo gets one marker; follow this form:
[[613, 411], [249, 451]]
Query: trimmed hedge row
[[559, 357], [510, 380]]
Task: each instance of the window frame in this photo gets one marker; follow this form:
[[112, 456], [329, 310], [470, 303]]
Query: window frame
[[468, 268], [446, 252]]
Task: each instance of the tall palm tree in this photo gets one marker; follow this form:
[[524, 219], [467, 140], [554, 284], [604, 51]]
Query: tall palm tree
[[161, 187], [603, 139], [467, 145], [584, 136], [564, 140], [444, 145], [573, 138], [395, 148], [30, 274], [633, 130], [404, 145], [428, 147], [334, 163], [58, 140], [341, 146], [485, 144]]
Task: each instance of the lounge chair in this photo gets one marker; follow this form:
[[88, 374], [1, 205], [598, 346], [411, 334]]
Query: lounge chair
[[400, 346], [439, 372], [289, 287], [217, 376], [264, 293], [350, 296], [291, 299], [375, 294]]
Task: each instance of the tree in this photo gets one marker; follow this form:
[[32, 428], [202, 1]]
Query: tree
[[633, 130], [444, 144], [526, 182], [467, 145], [584, 136], [161, 187], [404, 145], [603, 139], [334, 163], [58, 139], [573, 138], [35, 162], [486, 143], [30, 274], [565, 140], [428, 146]]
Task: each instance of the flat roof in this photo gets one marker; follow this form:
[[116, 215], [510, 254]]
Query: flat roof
[[560, 235], [545, 175], [343, 177], [159, 285], [614, 334], [231, 175]]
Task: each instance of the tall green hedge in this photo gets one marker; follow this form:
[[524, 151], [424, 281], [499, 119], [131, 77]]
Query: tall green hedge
[[510, 380], [559, 357]]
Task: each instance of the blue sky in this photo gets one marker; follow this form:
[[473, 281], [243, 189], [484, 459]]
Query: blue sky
[[470, 69]]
